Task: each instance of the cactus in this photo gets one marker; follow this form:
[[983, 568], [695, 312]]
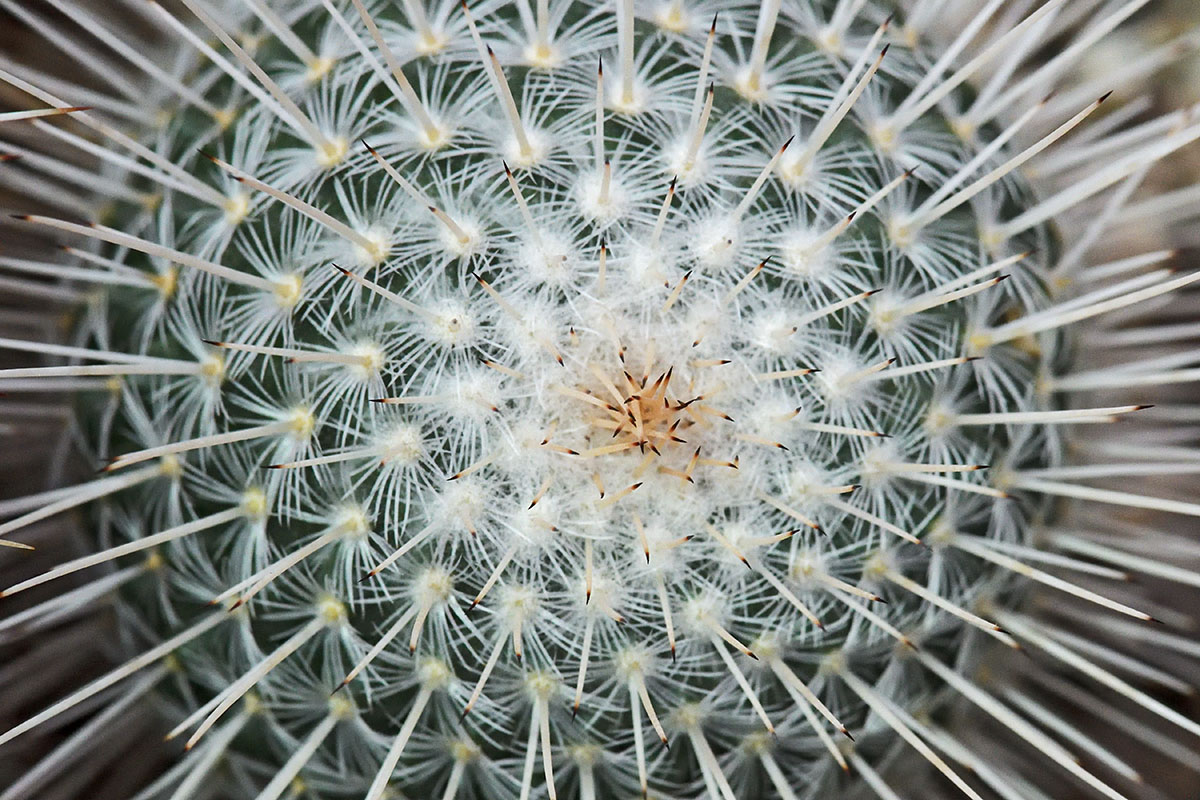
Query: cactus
[[573, 400]]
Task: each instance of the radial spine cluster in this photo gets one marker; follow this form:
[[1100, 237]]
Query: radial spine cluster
[[598, 401]]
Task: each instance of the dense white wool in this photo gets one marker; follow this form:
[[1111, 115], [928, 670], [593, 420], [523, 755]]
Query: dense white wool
[[549, 379]]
